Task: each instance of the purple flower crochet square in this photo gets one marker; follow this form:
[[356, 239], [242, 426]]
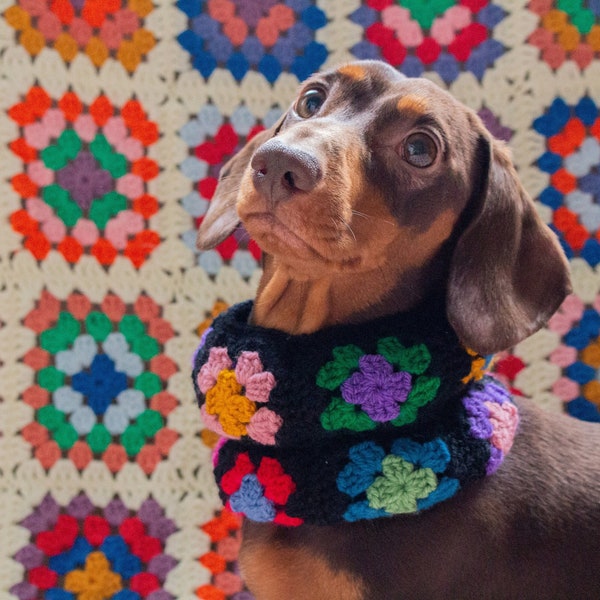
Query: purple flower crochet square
[[376, 388]]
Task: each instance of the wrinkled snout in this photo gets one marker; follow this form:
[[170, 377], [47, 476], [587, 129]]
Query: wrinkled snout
[[279, 171]]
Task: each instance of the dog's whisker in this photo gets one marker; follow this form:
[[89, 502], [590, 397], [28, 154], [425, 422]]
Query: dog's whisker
[[371, 217], [345, 224], [349, 228]]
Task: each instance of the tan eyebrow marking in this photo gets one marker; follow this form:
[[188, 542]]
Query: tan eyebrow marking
[[412, 103], [353, 71]]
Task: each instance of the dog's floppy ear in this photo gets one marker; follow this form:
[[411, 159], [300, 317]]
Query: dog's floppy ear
[[221, 219], [508, 273]]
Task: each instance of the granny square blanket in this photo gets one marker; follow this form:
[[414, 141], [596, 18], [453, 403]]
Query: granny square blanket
[[115, 118]]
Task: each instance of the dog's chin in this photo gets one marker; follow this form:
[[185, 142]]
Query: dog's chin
[[310, 258]]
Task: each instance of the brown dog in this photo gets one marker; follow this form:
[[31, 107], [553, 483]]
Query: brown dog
[[389, 181]]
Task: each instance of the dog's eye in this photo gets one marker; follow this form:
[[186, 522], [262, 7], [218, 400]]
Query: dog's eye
[[310, 102], [420, 150]]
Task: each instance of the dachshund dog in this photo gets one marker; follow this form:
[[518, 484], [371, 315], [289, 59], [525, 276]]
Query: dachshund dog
[[376, 178]]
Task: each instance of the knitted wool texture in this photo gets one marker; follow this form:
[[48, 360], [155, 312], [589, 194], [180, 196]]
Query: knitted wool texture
[[352, 422]]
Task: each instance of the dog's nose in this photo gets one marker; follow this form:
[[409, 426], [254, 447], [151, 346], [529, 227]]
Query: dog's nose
[[280, 170]]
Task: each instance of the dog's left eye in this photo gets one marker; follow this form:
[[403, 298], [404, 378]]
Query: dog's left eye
[[419, 150], [310, 103]]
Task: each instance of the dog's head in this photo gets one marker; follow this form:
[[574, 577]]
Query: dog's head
[[373, 172]]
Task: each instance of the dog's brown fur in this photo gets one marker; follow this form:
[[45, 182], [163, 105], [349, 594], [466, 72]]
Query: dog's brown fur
[[351, 230]]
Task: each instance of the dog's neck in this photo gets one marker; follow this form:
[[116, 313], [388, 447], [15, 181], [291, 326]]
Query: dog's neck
[[299, 305]]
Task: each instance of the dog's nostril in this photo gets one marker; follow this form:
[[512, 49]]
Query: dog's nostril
[[289, 179], [260, 167]]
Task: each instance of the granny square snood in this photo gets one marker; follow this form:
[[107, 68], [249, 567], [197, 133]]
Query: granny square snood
[[352, 422]]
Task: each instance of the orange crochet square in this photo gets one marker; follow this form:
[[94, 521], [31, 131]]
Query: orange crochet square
[[98, 28]]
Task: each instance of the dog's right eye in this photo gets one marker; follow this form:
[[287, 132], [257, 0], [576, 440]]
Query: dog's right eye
[[310, 102], [420, 150]]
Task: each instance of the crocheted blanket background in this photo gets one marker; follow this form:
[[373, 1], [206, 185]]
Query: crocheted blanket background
[[115, 116]]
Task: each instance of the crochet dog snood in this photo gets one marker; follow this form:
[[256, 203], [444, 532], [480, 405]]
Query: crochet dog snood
[[352, 422]]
